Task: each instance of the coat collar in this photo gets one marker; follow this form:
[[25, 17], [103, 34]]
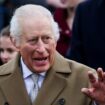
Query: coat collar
[[13, 86], [60, 64]]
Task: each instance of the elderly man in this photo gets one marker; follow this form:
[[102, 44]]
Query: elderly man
[[39, 75]]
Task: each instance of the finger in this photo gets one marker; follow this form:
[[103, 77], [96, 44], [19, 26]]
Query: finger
[[92, 78], [87, 92], [100, 74], [104, 77]]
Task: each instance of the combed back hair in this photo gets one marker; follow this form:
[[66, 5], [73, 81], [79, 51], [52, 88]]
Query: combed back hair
[[5, 32], [27, 11]]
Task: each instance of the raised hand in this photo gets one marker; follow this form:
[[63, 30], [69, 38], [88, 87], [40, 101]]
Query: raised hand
[[97, 89]]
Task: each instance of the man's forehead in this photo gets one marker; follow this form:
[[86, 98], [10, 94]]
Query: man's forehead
[[39, 18]]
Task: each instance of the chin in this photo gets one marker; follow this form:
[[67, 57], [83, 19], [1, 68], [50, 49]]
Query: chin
[[41, 69]]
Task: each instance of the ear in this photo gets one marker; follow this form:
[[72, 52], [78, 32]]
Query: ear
[[13, 40]]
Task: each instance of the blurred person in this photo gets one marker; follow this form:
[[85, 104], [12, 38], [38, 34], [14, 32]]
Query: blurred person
[[87, 45], [7, 49], [64, 17], [62, 79]]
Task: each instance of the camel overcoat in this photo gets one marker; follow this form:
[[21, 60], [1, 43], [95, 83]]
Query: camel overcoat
[[62, 84]]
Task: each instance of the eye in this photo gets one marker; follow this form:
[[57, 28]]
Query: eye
[[1, 50], [10, 50], [33, 41], [46, 39]]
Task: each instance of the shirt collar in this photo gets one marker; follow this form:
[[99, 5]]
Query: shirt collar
[[27, 72]]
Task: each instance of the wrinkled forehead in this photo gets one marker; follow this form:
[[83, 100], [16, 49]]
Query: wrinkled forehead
[[36, 22], [36, 26]]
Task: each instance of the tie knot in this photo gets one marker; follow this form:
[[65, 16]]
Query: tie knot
[[35, 78]]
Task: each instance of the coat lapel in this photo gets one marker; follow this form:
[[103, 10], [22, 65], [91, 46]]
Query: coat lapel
[[14, 89], [54, 83], [51, 88]]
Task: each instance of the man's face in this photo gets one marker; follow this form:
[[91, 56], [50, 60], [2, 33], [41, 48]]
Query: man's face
[[37, 45]]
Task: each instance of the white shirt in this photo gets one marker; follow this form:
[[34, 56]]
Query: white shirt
[[27, 79]]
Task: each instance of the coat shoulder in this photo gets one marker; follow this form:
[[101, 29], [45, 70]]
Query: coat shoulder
[[7, 68], [80, 70]]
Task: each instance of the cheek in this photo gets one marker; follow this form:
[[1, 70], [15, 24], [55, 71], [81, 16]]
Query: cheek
[[52, 50], [1, 55], [52, 46], [26, 49], [27, 52]]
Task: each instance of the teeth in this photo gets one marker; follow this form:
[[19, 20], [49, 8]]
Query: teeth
[[40, 59]]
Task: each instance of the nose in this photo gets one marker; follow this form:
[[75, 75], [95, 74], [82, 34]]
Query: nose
[[5, 56], [40, 46]]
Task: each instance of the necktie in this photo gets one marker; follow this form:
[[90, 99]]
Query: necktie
[[34, 90]]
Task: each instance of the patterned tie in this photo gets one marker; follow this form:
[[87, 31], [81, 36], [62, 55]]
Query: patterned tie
[[34, 90]]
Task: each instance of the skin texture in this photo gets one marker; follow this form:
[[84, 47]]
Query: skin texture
[[37, 45], [7, 49]]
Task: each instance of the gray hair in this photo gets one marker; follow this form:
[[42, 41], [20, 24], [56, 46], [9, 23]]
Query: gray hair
[[30, 10]]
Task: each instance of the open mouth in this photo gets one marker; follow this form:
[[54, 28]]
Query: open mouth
[[41, 59]]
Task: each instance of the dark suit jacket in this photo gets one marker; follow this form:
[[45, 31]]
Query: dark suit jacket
[[62, 85], [88, 39]]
